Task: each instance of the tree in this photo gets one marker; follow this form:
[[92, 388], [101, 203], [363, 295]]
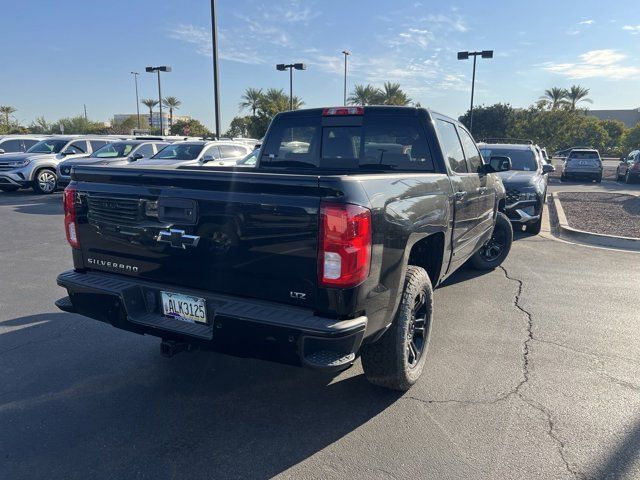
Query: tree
[[615, 129], [577, 94], [40, 125], [555, 97], [392, 94], [150, 103], [239, 127], [364, 95], [7, 110], [126, 126], [631, 139], [80, 125], [172, 103], [191, 128], [491, 121], [251, 98]]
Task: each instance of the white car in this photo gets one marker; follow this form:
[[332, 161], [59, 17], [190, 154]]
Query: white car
[[198, 153]]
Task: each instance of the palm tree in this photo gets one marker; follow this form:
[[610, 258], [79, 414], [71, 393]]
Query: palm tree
[[577, 94], [297, 103], [172, 103], [555, 97], [149, 103], [392, 94], [251, 99], [363, 95], [7, 110]]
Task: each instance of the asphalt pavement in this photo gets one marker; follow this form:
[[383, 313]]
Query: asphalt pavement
[[533, 372]]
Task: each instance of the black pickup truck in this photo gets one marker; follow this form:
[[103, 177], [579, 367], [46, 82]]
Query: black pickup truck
[[328, 249]]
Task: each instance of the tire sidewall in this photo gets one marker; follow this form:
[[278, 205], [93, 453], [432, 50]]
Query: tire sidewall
[[478, 261], [36, 183]]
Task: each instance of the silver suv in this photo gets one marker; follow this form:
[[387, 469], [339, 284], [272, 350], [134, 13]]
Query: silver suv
[[582, 163], [36, 168]]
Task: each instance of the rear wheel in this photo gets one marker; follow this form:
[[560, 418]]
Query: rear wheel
[[495, 250], [46, 182], [627, 178], [396, 360]]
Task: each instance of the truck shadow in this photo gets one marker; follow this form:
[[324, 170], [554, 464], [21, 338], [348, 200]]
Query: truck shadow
[[79, 396], [27, 202]]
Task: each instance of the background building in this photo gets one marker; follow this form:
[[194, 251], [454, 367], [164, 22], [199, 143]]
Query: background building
[[155, 120], [629, 117]]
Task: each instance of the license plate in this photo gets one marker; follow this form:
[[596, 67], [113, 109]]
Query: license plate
[[184, 307]]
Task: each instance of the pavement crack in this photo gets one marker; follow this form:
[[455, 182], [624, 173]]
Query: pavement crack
[[551, 428], [529, 339]]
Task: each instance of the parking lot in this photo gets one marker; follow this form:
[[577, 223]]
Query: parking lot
[[535, 375]]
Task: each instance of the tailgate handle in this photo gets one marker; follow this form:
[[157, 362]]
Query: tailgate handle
[[178, 210]]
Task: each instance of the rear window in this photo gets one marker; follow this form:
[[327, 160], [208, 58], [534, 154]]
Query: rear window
[[584, 155], [523, 160], [380, 143]]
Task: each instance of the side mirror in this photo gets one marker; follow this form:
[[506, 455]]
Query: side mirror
[[548, 168], [135, 157], [1, 151], [68, 151], [207, 158], [497, 164]]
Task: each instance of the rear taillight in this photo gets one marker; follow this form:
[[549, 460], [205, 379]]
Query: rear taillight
[[329, 112], [70, 223], [344, 254]]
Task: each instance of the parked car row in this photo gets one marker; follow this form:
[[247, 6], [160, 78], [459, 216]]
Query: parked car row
[[629, 167], [47, 163]]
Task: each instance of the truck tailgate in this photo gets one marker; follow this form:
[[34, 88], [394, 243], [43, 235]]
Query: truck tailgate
[[243, 233]]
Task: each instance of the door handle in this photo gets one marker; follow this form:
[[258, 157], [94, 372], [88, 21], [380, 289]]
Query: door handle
[[460, 195], [482, 190]]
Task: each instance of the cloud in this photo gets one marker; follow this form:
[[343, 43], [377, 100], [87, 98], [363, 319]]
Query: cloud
[[413, 36], [595, 64], [228, 50], [634, 29], [454, 21], [587, 22], [289, 12]]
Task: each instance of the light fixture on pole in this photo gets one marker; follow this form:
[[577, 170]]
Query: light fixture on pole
[[282, 67], [346, 53], [163, 68], [135, 76], [465, 56]]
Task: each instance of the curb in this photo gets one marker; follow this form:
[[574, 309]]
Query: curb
[[591, 238]]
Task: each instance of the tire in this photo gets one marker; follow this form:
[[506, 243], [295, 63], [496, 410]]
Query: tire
[[45, 182], [618, 178], [627, 178], [496, 249], [534, 228], [9, 188], [397, 359], [563, 178], [599, 179]]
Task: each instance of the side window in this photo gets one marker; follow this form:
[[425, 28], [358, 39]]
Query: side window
[[213, 151], [231, 151], [292, 144], [474, 160], [13, 145], [146, 150], [451, 147], [29, 143], [96, 144], [79, 146]]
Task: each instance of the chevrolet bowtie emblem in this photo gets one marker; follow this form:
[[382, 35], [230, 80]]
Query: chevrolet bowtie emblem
[[177, 238]]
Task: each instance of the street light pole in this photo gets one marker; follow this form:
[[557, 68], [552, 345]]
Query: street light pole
[[465, 56], [214, 44], [163, 68], [282, 67], [135, 77], [346, 54]]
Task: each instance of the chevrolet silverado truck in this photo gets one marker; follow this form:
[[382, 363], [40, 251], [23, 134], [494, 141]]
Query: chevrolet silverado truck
[[324, 251]]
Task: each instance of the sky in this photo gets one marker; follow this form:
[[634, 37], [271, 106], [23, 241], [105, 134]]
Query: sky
[[58, 56]]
